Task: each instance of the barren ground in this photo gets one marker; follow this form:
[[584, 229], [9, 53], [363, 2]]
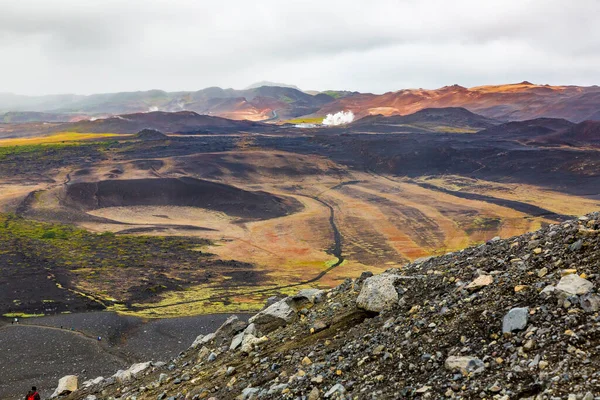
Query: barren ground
[[270, 213]]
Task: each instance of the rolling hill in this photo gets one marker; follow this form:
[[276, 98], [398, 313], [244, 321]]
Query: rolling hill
[[527, 129], [186, 122], [449, 119], [586, 133]]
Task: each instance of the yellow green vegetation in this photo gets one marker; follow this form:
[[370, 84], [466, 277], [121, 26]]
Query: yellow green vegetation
[[102, 268], [336, 94], [63, 137], [146, 276], [21, 315], [204, 299], [307, 120]]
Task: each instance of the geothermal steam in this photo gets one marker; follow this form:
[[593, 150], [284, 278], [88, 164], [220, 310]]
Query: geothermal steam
[[339, 118]]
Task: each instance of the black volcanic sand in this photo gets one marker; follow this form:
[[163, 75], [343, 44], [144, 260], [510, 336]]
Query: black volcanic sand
[[180, 192], [38, 351]]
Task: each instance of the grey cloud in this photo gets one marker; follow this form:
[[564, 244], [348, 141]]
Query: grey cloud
[[95, 46]]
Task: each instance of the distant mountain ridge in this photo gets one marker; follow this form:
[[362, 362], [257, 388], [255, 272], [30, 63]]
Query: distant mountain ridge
[[269, 83], [511, 102], [255, 104]]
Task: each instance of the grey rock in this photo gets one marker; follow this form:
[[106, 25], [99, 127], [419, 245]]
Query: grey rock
[[250, 393], [67, 384], [274, 316], [277, 388], [590, 302], [464, 364], [197, 342], [251, 330], [378, 293], [230, 327], [572, 284], [92, 382], [132, 372], [236, 341], [312, 295], [548, 290], [335, 389], [516, 319], [576, 246]]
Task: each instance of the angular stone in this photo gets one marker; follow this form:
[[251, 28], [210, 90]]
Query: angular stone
[[318, 326], [548, 290], [312, 295], [574, 285], [516, 319], [92, 382], [250, 393], [314, 394], [230, 327], [464, 364], [590, 302], [274, 316], [336, 389], [236, 341], [251, 341], [479, 282], [66, 384], [378, 293], [198, 341], [132, 372]]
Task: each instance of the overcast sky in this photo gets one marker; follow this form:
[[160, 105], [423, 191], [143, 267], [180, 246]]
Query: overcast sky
[[83, 46]]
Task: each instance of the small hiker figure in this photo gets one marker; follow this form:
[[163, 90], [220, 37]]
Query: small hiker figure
[[99, 338], [33, 394], [16, 320]]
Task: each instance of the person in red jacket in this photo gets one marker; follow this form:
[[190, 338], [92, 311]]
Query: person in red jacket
[[33, 394]]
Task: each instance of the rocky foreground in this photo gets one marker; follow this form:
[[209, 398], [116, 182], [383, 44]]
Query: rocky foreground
[[510, 319]]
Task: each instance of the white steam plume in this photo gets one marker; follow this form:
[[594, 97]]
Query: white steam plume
[[153, 109], [339, 118]]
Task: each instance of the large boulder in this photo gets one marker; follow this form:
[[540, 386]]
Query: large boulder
[[378, 293], [574, 285], [312, 295], [230, 327], [66, 384], [131, 372], [202, 340], [274, 316], [92, 382]]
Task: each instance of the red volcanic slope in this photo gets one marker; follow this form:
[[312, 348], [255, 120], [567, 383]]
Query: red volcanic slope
[[513, 102]]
